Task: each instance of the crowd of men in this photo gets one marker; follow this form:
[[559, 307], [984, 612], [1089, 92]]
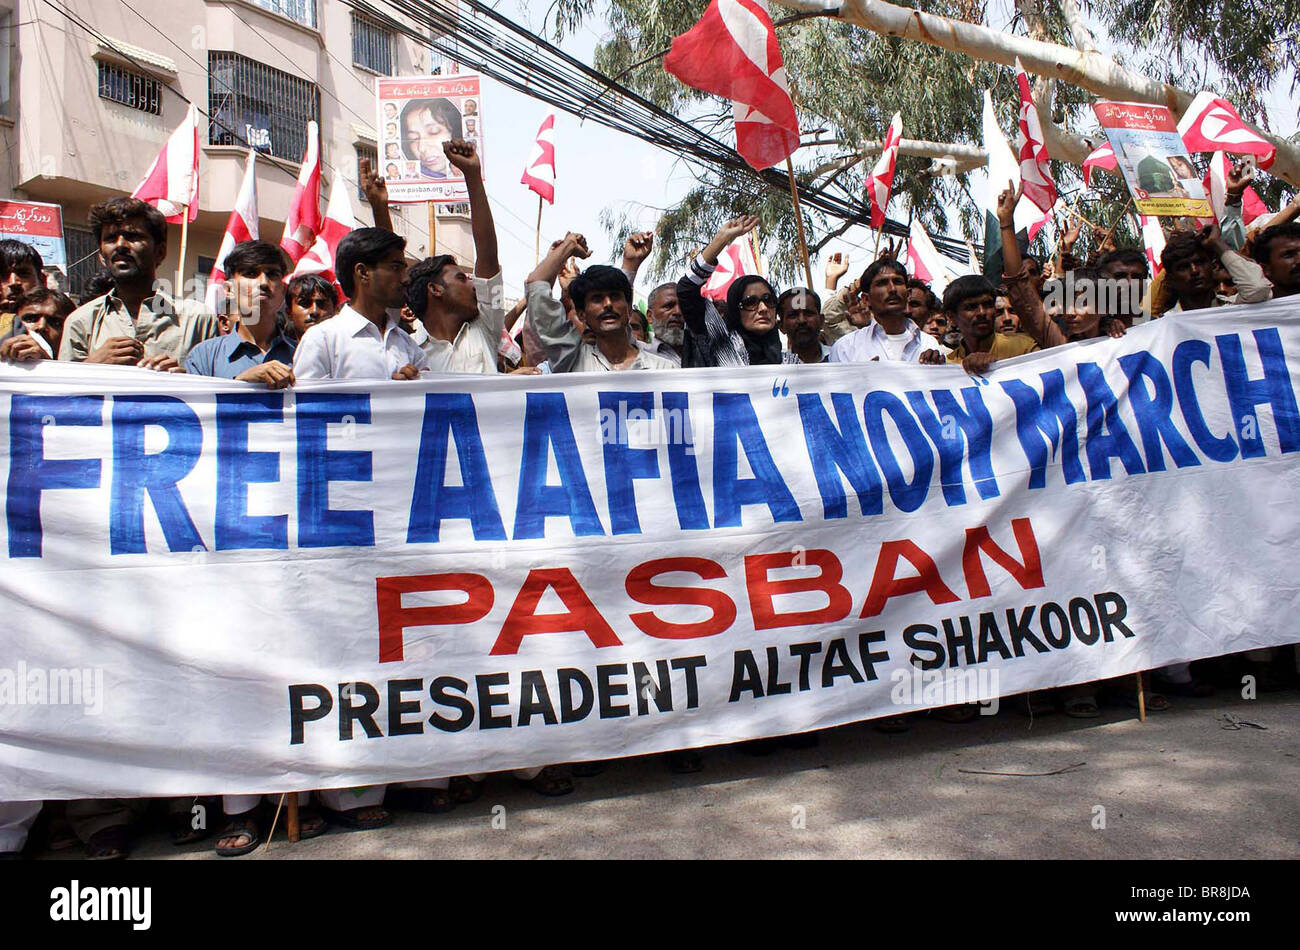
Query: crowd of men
[[396, 321]]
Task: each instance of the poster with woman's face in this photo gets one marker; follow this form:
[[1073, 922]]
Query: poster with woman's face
[[416, 117]]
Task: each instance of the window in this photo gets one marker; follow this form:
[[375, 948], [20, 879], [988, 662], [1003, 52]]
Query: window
[[372, 46], [365, 151], [133, 89], [300, 11], [83, 260], [251, 104]]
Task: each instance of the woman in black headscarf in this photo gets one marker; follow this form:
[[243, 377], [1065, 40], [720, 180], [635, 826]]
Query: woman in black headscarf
[[747, 334]]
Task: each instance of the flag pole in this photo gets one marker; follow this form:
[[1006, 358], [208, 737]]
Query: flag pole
[[798, 218], [433, 229], [180, 262], [537, 240]]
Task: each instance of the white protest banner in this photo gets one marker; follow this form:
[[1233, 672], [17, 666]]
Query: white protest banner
[[212, 588], [417, 115]]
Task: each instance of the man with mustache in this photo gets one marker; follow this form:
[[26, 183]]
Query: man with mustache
[[136, 323], [1277, 251], [602, 297], [669, 325], [891, 335], [800, 313]]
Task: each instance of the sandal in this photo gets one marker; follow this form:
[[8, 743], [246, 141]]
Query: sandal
[[181, 826], [1081, 707], [465, 789], [239, 826], [359, 819], [892, 725], [428, 801], [956, 714], [109, 844], [550, 781], [685, 761], [311, 823], [1155, 702]]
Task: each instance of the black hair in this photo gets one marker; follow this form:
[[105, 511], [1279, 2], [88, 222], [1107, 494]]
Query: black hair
[[250, 256], [736, 292], [650, 299], [14, 254], [441, 109], [966, 288], [63, 304], [599, 277], [878, 265], [101, 282], [305, 286], [363, 246], [780, 301], [420, 277], [1263, 247], [643, 320], [1181, 247], [1125, 255], [120, 210], [932, 302]]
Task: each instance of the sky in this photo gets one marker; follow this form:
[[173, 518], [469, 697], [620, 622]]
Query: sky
[[598, 168]]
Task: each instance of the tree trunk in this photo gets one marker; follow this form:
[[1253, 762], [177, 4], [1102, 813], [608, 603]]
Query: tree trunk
[[1087, 69]]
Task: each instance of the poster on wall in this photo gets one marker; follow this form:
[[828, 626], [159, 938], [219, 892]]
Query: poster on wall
[[416, 115], [1153, 159]]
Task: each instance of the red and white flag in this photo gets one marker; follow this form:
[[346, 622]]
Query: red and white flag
[[1035, 172], [925, 261], [172, 182], [733, 52], [304, 219], [339, 220], [736, 260], [1211, 124], [881, 180], [241, 227], [1103, 156], [539, 174], [1216, 184], [1153, 240]]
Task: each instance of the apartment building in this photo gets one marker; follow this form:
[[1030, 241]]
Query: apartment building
[[91, 89]]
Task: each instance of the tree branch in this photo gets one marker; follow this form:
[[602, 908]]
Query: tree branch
[[1087, 69]]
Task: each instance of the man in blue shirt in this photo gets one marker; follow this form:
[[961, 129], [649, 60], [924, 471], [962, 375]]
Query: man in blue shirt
[[256, 351]]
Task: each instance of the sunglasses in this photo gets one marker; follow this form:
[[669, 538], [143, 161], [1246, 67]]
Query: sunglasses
[[751, 303]]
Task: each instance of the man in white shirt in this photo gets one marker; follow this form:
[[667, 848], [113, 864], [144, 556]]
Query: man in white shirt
[[364, 340], [602, 297], [891, 335], [461, 316]]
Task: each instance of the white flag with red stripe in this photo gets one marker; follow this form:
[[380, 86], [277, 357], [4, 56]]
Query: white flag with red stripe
[[1153, 240], [1035, 172], [1103, 156], [539, 174], [172, 183], [241, 227], [304, 218], [1216, 184], [736, 260], [733, 52], [925, 261], [881, 180], [1211, 124], [339, 220]]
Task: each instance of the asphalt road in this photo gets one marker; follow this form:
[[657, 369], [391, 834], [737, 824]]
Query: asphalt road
[[1179, 785]]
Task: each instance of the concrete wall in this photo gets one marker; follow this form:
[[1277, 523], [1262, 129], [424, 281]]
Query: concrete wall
[[67, 145]]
